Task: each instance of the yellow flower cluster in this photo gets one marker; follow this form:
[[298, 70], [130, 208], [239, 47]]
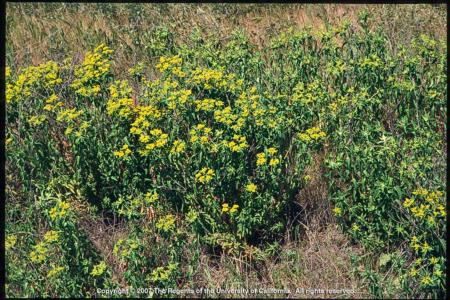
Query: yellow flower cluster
[[247, 102], [170, 63], [68, 115], [7, 73], [426, 205], [207, 104], [177, 72], [60, 210], [200, 133], [178, 97], [50, 105], [273, 162], [238, 124], [333, 107], [10, 241], [166, 223], [68, 130], [178, 147], [162, 274], [51, 236], [191, 216], [134, 206], [336, 67], [312, 134], [125, 248], [251, 104], [44, 74], [421, 192], [426, 280], [425, 264], [205, 175], [272, 150], [8, 141], [337, 211], [123, 106], [99, 269], [123, 152], [215, 79], [214, 148], [159, 140], [424, 247], [208, 78], [84, 125], [79, 132], [151, 197], [96, 64], [307, 94], [36, 120], [434, 260], [413, 272], [226, 208], [408, 202], [55, 271], [120, 89], [261, 158], [225, 116], [145, 115], [251, 187], [167, 87], [260, 116], [39, 254], [227, 241], [238, 143]]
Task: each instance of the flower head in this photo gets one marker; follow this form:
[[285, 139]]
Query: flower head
[[225, 207], [51, 236], [274, 162], [261, 159], [55, 271], [234, 208], [337, 211], [205, 175], [99, 269], [251, 187]]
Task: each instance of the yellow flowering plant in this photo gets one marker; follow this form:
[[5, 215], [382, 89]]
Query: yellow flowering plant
[[211, 143]]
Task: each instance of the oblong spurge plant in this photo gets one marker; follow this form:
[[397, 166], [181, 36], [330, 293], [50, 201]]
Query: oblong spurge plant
[[215, 147]]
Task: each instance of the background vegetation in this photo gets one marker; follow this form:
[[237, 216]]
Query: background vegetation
[[37, 32], [288, 144]]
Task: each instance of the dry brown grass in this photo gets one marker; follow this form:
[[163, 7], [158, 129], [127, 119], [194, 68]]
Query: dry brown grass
[[103, 236], [313, 198], [39, 32], [320, 261]]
